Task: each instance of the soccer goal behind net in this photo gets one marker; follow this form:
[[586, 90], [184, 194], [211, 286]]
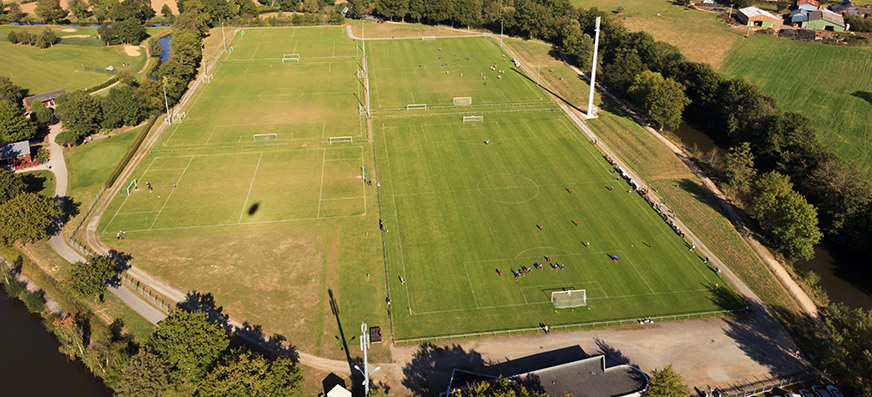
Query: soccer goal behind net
[[462, 100], [207, 78], [178, 117], [569, 298], [341, 139], [416, 106], [473, 119], [428, 38], [291, 58], [265, 138], [131, 187]]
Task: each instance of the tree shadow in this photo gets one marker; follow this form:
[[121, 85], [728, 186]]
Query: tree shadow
[[701, 194], [613, 355], [556, 95], [864, 95], [429, 371], [34, 182], [334, 308]]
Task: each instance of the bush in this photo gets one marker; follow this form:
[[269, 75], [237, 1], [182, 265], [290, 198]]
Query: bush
[[12, 37], [35, 301], [41, 155], [15, 288], [67, 138]]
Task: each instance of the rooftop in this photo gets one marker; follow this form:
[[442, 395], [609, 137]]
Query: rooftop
[[13, 150], [754, 11], [46, 96]]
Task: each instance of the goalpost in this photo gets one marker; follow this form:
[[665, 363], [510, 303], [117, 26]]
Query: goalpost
[[340, 139], [473, 119], [265, 138], [569, 298], [291, 58], [207, 78], [416, 106], [178, 117], [131, 187], [462, 100], [428, 38]]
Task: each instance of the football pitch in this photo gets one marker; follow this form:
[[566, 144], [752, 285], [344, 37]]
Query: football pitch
[[259, 194], [469, 205]]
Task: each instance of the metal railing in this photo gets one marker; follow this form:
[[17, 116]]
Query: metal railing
[[589, 325], [766, 385]]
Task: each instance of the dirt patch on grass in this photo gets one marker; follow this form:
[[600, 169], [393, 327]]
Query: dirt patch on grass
[[68, 30], [76, 36], [130, 50]]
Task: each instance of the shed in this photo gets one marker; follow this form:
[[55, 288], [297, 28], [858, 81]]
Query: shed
[[807, 2], [18, 152], [800, 14], [825, 20], [47, 98], [338, 391], [753, 16]]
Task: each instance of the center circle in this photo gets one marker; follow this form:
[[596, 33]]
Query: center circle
[[280, 95], [508, 188]]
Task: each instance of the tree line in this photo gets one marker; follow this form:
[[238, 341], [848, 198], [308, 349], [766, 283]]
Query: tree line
[[45, 39]]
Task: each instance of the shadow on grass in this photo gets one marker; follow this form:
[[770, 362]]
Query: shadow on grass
[[701, 194], [864, 95], [556, 95]]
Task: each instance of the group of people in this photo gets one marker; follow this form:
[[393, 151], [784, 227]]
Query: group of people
[[527, 269]]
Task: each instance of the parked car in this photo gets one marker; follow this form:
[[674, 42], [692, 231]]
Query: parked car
[[820, 391], [834, 391], [806, 393]]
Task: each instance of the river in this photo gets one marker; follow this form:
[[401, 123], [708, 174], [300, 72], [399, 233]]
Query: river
[[838, 276], [32, 364]]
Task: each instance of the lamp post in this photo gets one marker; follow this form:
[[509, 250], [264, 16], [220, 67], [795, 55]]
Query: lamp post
[[223, 37], [166, 102], [590, 112]]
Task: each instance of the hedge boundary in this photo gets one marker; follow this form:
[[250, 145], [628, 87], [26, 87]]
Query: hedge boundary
[[130, 152]]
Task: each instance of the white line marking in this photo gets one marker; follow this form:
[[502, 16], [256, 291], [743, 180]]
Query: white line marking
[[471, 288], [396, 216], [253, 177], [171, 194], [321, 192], [128, 196]]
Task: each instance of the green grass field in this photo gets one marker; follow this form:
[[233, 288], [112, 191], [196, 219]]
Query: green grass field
[[251, 201], [823, 82], [459, 210], [60, 67], [39, 182]]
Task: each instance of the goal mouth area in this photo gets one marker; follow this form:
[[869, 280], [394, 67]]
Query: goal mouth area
[[340, 139], [428, 38], [291, 58], [416, 106], [473, 119], [462, 101], [567, 299], [265, 138]]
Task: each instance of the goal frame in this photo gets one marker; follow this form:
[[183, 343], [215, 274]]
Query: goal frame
[[179, 116], [256, 136], [291, 58], [428, 38], [569, 302], [462, 100], [416, 106], [473, 119], [340, 139], [132, 184]]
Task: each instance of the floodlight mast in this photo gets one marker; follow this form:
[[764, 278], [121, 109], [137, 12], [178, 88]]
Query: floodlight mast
[[364, 344], [590, 113], [223, 37], [365, 68], [167, 103]]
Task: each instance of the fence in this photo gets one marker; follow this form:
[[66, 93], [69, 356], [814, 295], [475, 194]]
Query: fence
[[766, 385], [157, 300], [591, 325], [87, 213], [98, 69]]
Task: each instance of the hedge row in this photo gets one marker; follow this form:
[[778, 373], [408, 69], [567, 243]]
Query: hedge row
[[130, 152]]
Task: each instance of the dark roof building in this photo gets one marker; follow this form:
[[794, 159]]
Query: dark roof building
[[825, 20], [587, 377], [18, 152], [47, 98]]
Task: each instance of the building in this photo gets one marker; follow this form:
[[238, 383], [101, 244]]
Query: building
[[824, 20], [17, 153], [753, 16], [807, 2], [46, 98], [580, 377], [800, 14], [847, 7]]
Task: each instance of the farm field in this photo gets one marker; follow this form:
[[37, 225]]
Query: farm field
[[251, 201], [830, 85], [462, 201], [700, 35]]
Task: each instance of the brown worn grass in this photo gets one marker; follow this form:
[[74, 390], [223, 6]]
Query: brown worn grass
[[391, 29]]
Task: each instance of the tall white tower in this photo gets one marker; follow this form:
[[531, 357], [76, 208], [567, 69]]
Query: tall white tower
[[591, 112]]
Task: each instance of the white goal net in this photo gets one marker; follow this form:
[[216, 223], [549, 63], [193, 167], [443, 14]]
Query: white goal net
[[179, 116], [428, 38], [416, 106], [462, 100], [473, 119], [207, 78], [569, 298], [340, 139], [291, 58], [265, 138], [131, 187]]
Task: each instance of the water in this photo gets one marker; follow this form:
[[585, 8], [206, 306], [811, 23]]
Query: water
[[31, 364], [838, 273], [165, 46]]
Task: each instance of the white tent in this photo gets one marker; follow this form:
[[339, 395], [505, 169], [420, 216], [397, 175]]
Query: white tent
[[338, 391]]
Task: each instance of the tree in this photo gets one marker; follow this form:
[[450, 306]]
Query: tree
[[80, 112], [577, 45], [243, 373], [90, 278], [144, 375], [8, 90], [120, 108], [130, 31], [154, 47], [739, 166], [666, 382], [787, 143], [663, 100], [79, 9], [786, 215], [26, 217], [14, 126], [188, 343], [49, 37], [416, 9], [622, 71], [10, 186], [12, 37], [50, 11], [166, 11], [502, 387], [841, 192], [848, 332], [40, 113], [14, 14]]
